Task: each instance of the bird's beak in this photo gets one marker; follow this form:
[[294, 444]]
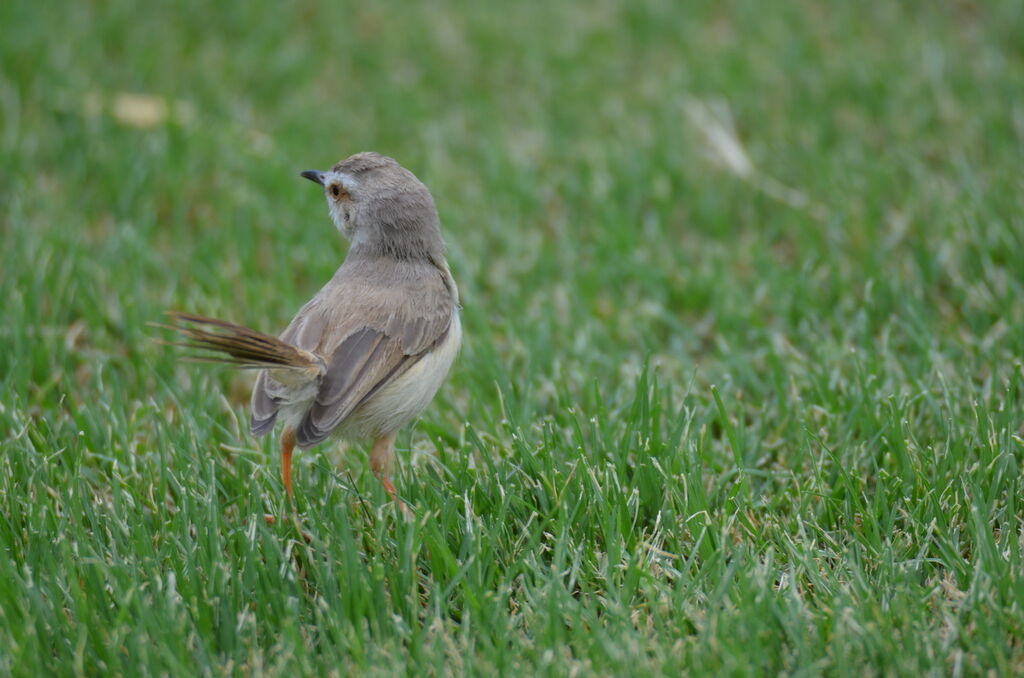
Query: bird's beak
[[314, 175]]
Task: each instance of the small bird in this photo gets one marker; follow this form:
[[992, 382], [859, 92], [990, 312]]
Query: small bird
[[365, 356]]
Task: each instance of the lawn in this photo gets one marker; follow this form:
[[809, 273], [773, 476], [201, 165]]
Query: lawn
[[742, 388]]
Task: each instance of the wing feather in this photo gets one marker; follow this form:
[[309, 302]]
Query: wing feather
[[369, 328], [263, 411], [359, 364]]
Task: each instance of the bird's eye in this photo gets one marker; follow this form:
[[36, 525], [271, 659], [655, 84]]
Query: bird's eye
[[338, 192]]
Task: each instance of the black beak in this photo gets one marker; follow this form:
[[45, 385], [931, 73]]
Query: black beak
[[313, 175]]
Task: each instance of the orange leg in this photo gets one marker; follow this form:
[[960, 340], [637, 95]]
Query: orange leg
[[287, 445], [381, 459]]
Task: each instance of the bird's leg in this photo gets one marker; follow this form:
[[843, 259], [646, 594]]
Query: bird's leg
[[287, 445], [381, 458]]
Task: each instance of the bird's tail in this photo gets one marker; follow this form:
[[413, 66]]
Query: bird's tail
[[228, 343]]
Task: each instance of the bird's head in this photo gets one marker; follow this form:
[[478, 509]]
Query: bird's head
[[380, 206]]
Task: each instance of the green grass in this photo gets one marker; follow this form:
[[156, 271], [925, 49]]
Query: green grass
[[710, 417]]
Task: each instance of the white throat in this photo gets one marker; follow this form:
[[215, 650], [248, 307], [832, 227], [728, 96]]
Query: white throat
[[340, 211]]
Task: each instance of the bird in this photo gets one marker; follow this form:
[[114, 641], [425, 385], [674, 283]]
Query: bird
[[365, 356]]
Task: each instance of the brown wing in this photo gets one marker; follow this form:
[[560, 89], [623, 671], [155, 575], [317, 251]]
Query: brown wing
[[365, 360], [369, 324], [263, 406]]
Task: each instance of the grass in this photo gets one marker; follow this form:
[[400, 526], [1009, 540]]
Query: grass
[[742, 389]]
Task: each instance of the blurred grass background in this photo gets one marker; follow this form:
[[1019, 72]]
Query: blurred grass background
[[741, 390]]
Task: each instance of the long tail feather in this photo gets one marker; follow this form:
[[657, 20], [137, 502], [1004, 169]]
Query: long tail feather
[[236, 345]]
